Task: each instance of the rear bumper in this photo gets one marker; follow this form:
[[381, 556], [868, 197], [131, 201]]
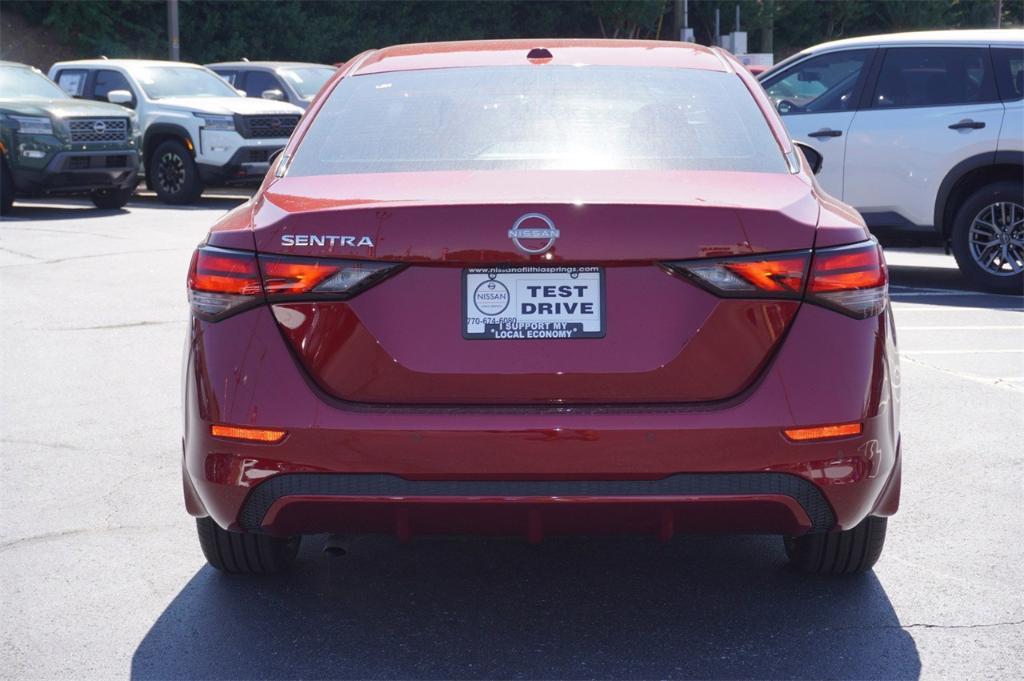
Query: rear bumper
[[752, 502], [660, 469]]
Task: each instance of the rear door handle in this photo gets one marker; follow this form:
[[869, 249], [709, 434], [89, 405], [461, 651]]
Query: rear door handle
[[968, 124], [826, 132]]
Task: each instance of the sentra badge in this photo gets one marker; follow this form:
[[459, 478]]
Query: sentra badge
[[329, 240]]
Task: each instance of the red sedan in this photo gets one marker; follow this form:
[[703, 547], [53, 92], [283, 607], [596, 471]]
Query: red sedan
[[522, 289]]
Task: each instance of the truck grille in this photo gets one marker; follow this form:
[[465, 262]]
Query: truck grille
[[98, 129], [266, 126]]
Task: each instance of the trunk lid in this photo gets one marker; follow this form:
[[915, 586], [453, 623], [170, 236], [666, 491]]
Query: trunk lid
[[664, 340]]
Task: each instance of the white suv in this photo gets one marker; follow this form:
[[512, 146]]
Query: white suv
[[923, 133], [197, 129]]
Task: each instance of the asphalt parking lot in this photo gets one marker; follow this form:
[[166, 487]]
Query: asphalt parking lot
[[102, 577]]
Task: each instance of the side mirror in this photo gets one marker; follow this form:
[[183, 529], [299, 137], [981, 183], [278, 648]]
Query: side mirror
[[814, 158], [274, 94], [122, 97], [784, 106]]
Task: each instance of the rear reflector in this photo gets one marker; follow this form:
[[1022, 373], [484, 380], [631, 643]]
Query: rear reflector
[[823, 432], [222, 281], [849, 279], [250, 434]]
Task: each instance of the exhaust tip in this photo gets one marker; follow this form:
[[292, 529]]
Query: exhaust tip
[[333, 547]]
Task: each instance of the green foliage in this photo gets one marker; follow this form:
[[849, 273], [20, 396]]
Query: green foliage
[[333, 31], [628, 18]]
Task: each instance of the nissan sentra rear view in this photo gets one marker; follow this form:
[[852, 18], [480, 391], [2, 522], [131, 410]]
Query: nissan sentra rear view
[[534, 289]]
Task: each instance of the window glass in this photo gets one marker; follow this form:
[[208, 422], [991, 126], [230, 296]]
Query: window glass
[[307, 80], [258, 81], [229, 76], [106, 81], [181, 81], [529, 118], [820, 84], [72, 82], [1009, 64], [21, 82], [934, 76]]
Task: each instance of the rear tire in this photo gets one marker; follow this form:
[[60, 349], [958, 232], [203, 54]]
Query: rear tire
[[994, 214], [839, 553], [238, 553], [173, 174], [111, 199], [6, 188]]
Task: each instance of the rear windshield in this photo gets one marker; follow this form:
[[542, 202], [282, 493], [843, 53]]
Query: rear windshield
[[539, 117]]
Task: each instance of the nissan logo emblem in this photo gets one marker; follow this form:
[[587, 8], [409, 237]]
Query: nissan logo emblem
[[538, 238], [99, 127]]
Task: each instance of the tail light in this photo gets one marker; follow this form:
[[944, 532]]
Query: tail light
[[776, 276], [848, 279], [222, 281], [285, 276]]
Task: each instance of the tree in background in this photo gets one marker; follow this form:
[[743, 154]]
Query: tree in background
[[330, 32], [629, 18]]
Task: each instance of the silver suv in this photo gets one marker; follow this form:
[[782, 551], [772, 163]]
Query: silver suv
[[923, 133]]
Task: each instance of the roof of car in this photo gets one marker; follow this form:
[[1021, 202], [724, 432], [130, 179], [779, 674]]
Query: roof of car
[[14, 63], [266, 64], [975, 36], [94, 63], [563, 51]]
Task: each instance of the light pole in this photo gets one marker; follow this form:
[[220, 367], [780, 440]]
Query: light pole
[[172, 30]]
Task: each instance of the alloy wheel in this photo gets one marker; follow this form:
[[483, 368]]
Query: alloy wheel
[[996, 238], [171, 173]]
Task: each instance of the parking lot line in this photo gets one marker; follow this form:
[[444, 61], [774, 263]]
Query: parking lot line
[[940, 292], [960, 352], [978, 327], [911, 307]]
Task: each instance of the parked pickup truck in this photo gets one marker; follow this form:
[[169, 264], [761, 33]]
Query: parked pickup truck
[[197, 129], [53, 144]]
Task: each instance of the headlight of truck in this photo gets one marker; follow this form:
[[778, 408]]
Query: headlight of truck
[[213, 122], [33, 125]]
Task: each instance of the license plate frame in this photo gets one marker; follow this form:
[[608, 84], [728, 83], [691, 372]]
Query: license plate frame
[[485, 319]]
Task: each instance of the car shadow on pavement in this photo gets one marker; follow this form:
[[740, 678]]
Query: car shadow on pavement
[[82, 209], [943, 286], [59, 211], [928, 277], [573, 608]]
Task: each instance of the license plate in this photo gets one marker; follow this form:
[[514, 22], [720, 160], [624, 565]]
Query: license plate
[[537, 303]]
